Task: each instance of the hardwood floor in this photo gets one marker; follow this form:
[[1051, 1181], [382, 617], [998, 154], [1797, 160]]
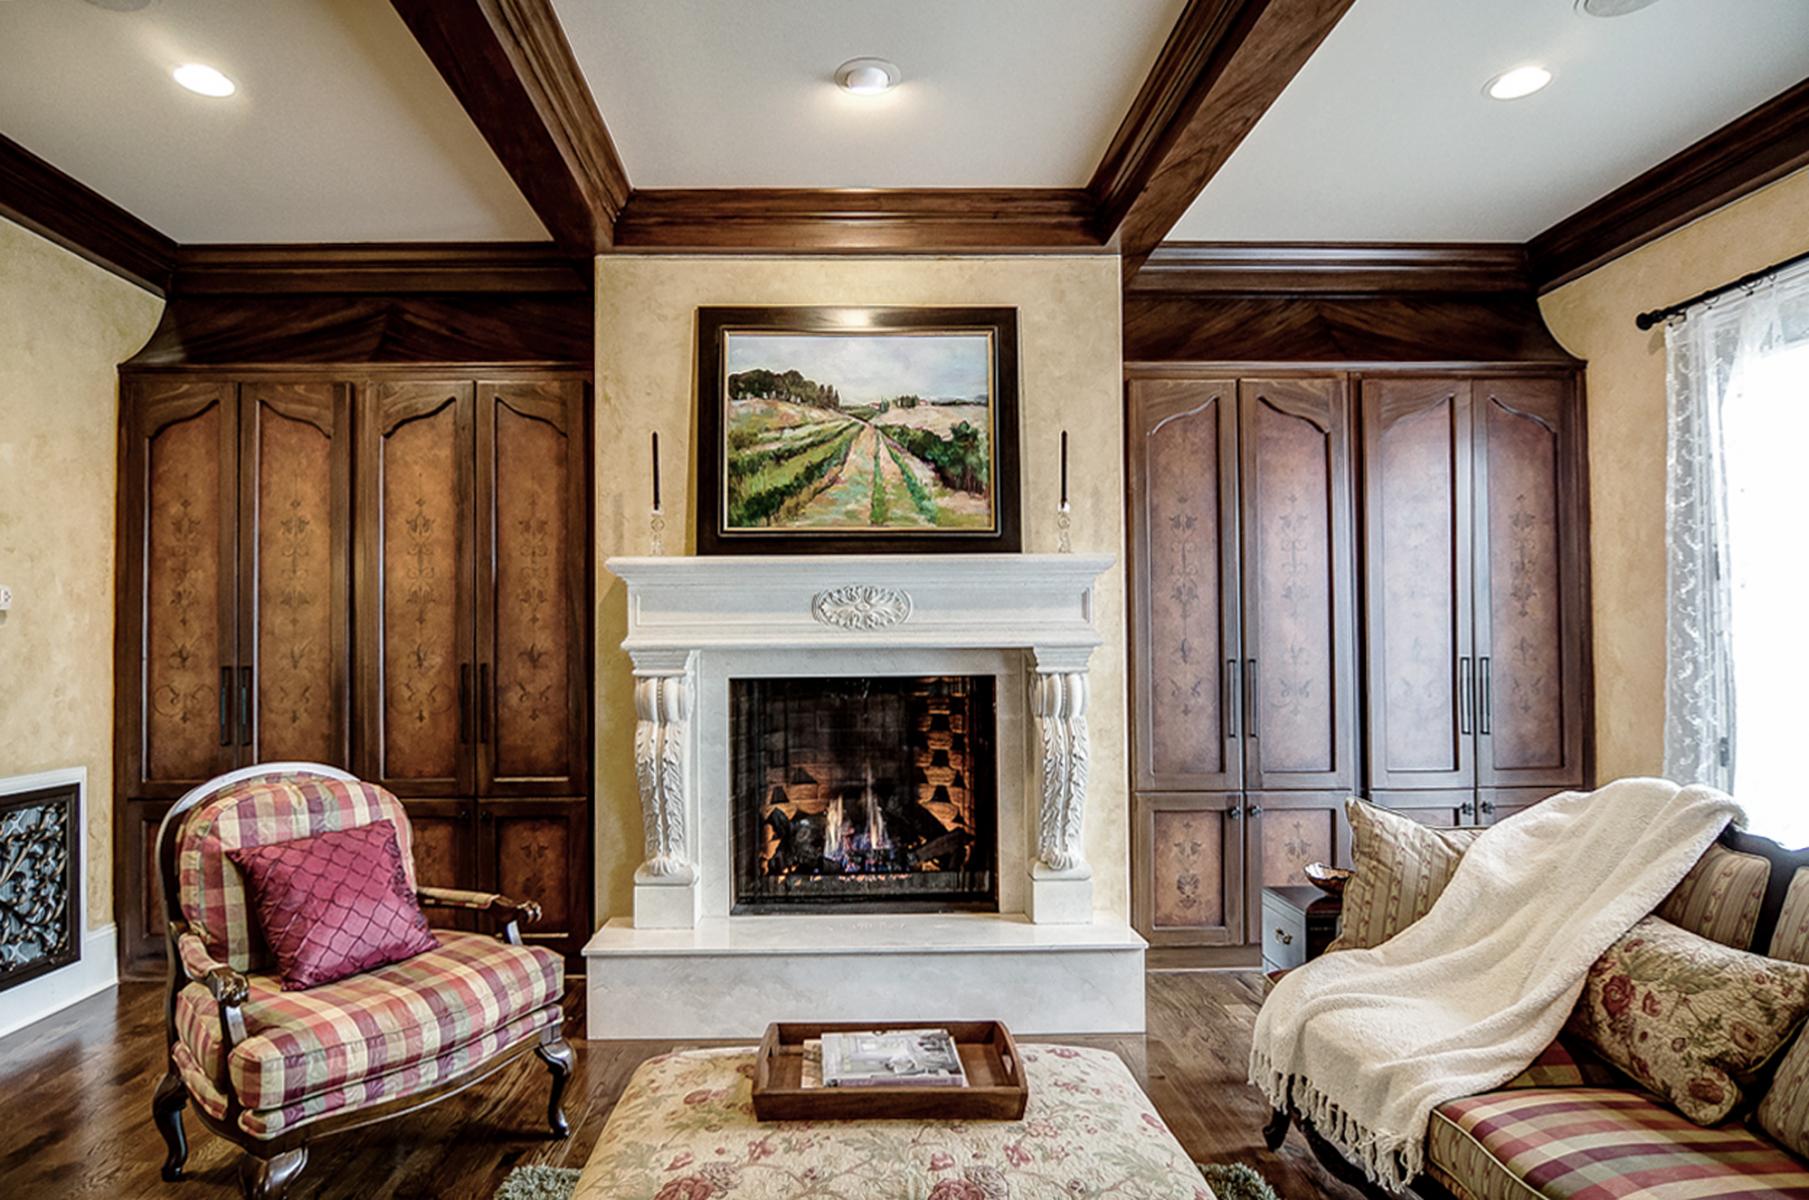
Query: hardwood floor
[[75, 1107]]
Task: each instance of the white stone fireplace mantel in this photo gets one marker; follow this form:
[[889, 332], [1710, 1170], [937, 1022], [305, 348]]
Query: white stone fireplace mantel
[[696, 623]]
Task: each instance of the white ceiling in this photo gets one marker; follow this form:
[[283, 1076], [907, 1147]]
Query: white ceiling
[[1386, 134], [1005, 93], [341, 129]]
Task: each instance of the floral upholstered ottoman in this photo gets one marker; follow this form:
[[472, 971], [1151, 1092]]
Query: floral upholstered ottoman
[[684, 1129]]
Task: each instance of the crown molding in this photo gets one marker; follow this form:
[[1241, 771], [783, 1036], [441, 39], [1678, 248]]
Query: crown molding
[[1223, 65], [511, 68], [81, 220], [378, 268], [1754, 149], [1332, 269], [858, 221]]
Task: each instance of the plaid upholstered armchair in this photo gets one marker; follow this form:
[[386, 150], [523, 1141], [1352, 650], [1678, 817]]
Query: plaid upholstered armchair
[[270, 1070]]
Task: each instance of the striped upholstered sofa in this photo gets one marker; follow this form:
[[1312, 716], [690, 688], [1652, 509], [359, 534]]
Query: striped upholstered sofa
[[1606, 1139]]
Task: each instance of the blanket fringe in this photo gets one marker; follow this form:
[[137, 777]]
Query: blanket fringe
[[1388, 1160]]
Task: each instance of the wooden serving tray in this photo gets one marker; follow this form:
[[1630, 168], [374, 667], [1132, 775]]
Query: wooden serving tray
[[995, 1091]]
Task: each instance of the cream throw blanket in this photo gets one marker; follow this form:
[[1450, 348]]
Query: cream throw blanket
[[1366, 1043]]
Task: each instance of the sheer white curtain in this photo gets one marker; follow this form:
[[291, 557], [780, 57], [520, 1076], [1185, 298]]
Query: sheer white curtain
[[1738, 539]]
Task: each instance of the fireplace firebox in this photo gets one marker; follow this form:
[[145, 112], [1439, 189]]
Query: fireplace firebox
[[864, 794]]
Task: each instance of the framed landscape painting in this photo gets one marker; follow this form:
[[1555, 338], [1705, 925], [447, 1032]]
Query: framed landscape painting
[[857, 430]]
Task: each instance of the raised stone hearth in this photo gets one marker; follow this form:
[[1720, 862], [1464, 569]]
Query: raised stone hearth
[[1019, 626]]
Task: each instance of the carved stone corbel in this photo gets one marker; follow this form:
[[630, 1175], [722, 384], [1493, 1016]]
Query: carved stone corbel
[[665, 882], [1061, 879]]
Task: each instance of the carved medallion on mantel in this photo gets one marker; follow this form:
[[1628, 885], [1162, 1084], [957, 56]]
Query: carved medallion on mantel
[[862, 606]]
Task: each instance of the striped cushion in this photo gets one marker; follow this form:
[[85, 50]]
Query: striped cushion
[[1401, 867], [1790, 941], [1599, 1144], [255, 813], [404, 1081], [301, 1044], [1784, 1112], [1719, 899]]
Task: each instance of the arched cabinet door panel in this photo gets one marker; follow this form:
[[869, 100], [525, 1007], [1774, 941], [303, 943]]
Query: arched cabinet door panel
[[1187, 656]]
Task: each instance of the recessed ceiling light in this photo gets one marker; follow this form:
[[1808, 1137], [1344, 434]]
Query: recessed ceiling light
[[1521, 81], [868, 76], [204, 80]]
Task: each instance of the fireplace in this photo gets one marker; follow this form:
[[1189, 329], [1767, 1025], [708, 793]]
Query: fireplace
[[864, 794]]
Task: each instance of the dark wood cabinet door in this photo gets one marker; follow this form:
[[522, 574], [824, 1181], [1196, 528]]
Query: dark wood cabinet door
[[1285, 831], [1299, 618], [1444, 808], [138, 888], [177, 619], [539, 850], [533, 543], [1498, 804], [1530, 597], [295, 572], [1187, 887], [1187, 656], [415, 563], [1417, 582]]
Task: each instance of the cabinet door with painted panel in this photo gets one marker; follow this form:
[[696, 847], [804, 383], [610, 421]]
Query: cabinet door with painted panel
[[416, 643], [138, 888], [177, 637], [295, 571], [540, 850], [1299, 617], [532, 542], [1530, 596], [1187, 653], [1286, 831], [1441, 808], [1188, 884], [1417, 582]]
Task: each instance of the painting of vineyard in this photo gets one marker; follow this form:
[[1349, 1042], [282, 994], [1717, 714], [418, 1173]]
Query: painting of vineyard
[[849, 432]]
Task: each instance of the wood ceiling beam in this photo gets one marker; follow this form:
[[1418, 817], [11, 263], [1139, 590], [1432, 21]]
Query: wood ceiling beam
[[1752, 150], [378, 268], [858, 220], [1223, 65], [511, 68], [80, 219], [1332, 269]]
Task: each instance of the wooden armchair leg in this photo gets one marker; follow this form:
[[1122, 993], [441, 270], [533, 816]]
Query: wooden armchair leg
[[1275, 1131], [559, 1060], [166, 1111], [269, 1178]]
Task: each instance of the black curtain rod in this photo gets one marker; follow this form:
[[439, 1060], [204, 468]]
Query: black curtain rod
[[1646, 320]]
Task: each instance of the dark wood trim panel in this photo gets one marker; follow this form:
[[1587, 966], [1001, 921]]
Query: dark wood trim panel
[[1742, 156], [1332, 269], [1222, 67], [81, 220], [511, 68], [389, 268], [858, 220]]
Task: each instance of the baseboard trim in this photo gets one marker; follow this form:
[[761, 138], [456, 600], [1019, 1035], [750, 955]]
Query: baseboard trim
[[35, 999]]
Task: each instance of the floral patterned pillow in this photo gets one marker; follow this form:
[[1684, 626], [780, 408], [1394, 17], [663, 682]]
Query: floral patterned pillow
[[1686, 1016]]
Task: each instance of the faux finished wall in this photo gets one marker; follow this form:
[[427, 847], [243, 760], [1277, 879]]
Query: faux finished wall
[[1593, 317], [65, 326], [1069, 351]]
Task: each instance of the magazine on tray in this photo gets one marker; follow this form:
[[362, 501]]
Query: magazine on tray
[[893, 1058]]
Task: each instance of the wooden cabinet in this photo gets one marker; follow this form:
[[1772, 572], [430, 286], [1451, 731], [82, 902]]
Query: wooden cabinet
[[384, 572], [1243, 644], [1474, 560]]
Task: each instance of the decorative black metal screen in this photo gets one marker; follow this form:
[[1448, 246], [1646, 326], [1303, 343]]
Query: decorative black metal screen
[[40, 892], [864, 794]]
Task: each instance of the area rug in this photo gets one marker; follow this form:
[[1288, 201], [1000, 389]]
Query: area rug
[[539, 1183]]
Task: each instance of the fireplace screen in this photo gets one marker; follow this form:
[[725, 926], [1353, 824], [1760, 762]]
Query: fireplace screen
[[869, 794]]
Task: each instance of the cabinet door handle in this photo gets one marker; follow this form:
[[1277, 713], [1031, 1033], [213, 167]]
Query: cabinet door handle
[[1487, 806], [464, 702], [244, 706], [483, 702], [1466, 695], [1284, 937], [1253, 810], [1249, 697], [1232, 698], [1487, 701], [226, 706], [1467, 809], [1234, 812]]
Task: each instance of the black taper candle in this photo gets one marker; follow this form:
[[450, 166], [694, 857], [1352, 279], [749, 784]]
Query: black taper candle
[[1064, 468], [656, 471]]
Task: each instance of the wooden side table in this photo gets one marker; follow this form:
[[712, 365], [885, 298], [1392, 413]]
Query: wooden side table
[[1299, 922]]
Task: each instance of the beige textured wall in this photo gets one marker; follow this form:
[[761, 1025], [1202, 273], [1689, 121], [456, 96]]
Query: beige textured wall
[[1070, 377], [65, 325], [1593, 317]]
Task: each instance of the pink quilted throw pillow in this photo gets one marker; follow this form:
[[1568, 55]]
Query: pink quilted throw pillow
[[334, 904]]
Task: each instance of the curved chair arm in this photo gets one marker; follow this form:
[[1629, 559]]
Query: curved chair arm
[[228, 987], [519, 910]]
